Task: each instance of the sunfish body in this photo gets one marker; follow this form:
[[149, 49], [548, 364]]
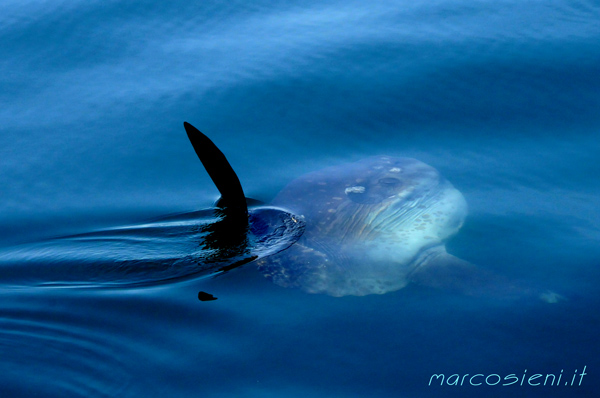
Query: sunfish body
[[368, 227], [372, 227]]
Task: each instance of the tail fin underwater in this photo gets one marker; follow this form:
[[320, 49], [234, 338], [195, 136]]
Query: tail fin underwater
[[219, 170]]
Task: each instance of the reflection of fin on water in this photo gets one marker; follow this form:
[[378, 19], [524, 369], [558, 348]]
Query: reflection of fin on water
[[203, 296]]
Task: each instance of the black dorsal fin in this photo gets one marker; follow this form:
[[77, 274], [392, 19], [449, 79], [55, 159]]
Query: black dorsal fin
[[219, 170]]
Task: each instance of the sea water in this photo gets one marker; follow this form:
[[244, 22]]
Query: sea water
[[501, 97]]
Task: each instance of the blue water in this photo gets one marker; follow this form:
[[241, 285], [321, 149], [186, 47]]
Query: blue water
[[501, 97]]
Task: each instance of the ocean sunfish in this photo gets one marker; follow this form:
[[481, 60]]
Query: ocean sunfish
[[372, 227]]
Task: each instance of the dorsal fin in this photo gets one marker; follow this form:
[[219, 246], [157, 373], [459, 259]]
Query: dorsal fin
[[219, 170]]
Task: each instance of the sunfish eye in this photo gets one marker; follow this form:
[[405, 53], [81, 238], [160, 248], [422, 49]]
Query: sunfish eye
[[389, 181]]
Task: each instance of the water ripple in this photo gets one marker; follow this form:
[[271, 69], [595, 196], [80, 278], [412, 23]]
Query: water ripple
[[179, 247], [60, 352]]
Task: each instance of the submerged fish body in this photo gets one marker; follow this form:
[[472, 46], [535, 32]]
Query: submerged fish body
[[370, 226]]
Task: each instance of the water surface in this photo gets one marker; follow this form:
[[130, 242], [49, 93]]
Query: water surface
[[501, 97]]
